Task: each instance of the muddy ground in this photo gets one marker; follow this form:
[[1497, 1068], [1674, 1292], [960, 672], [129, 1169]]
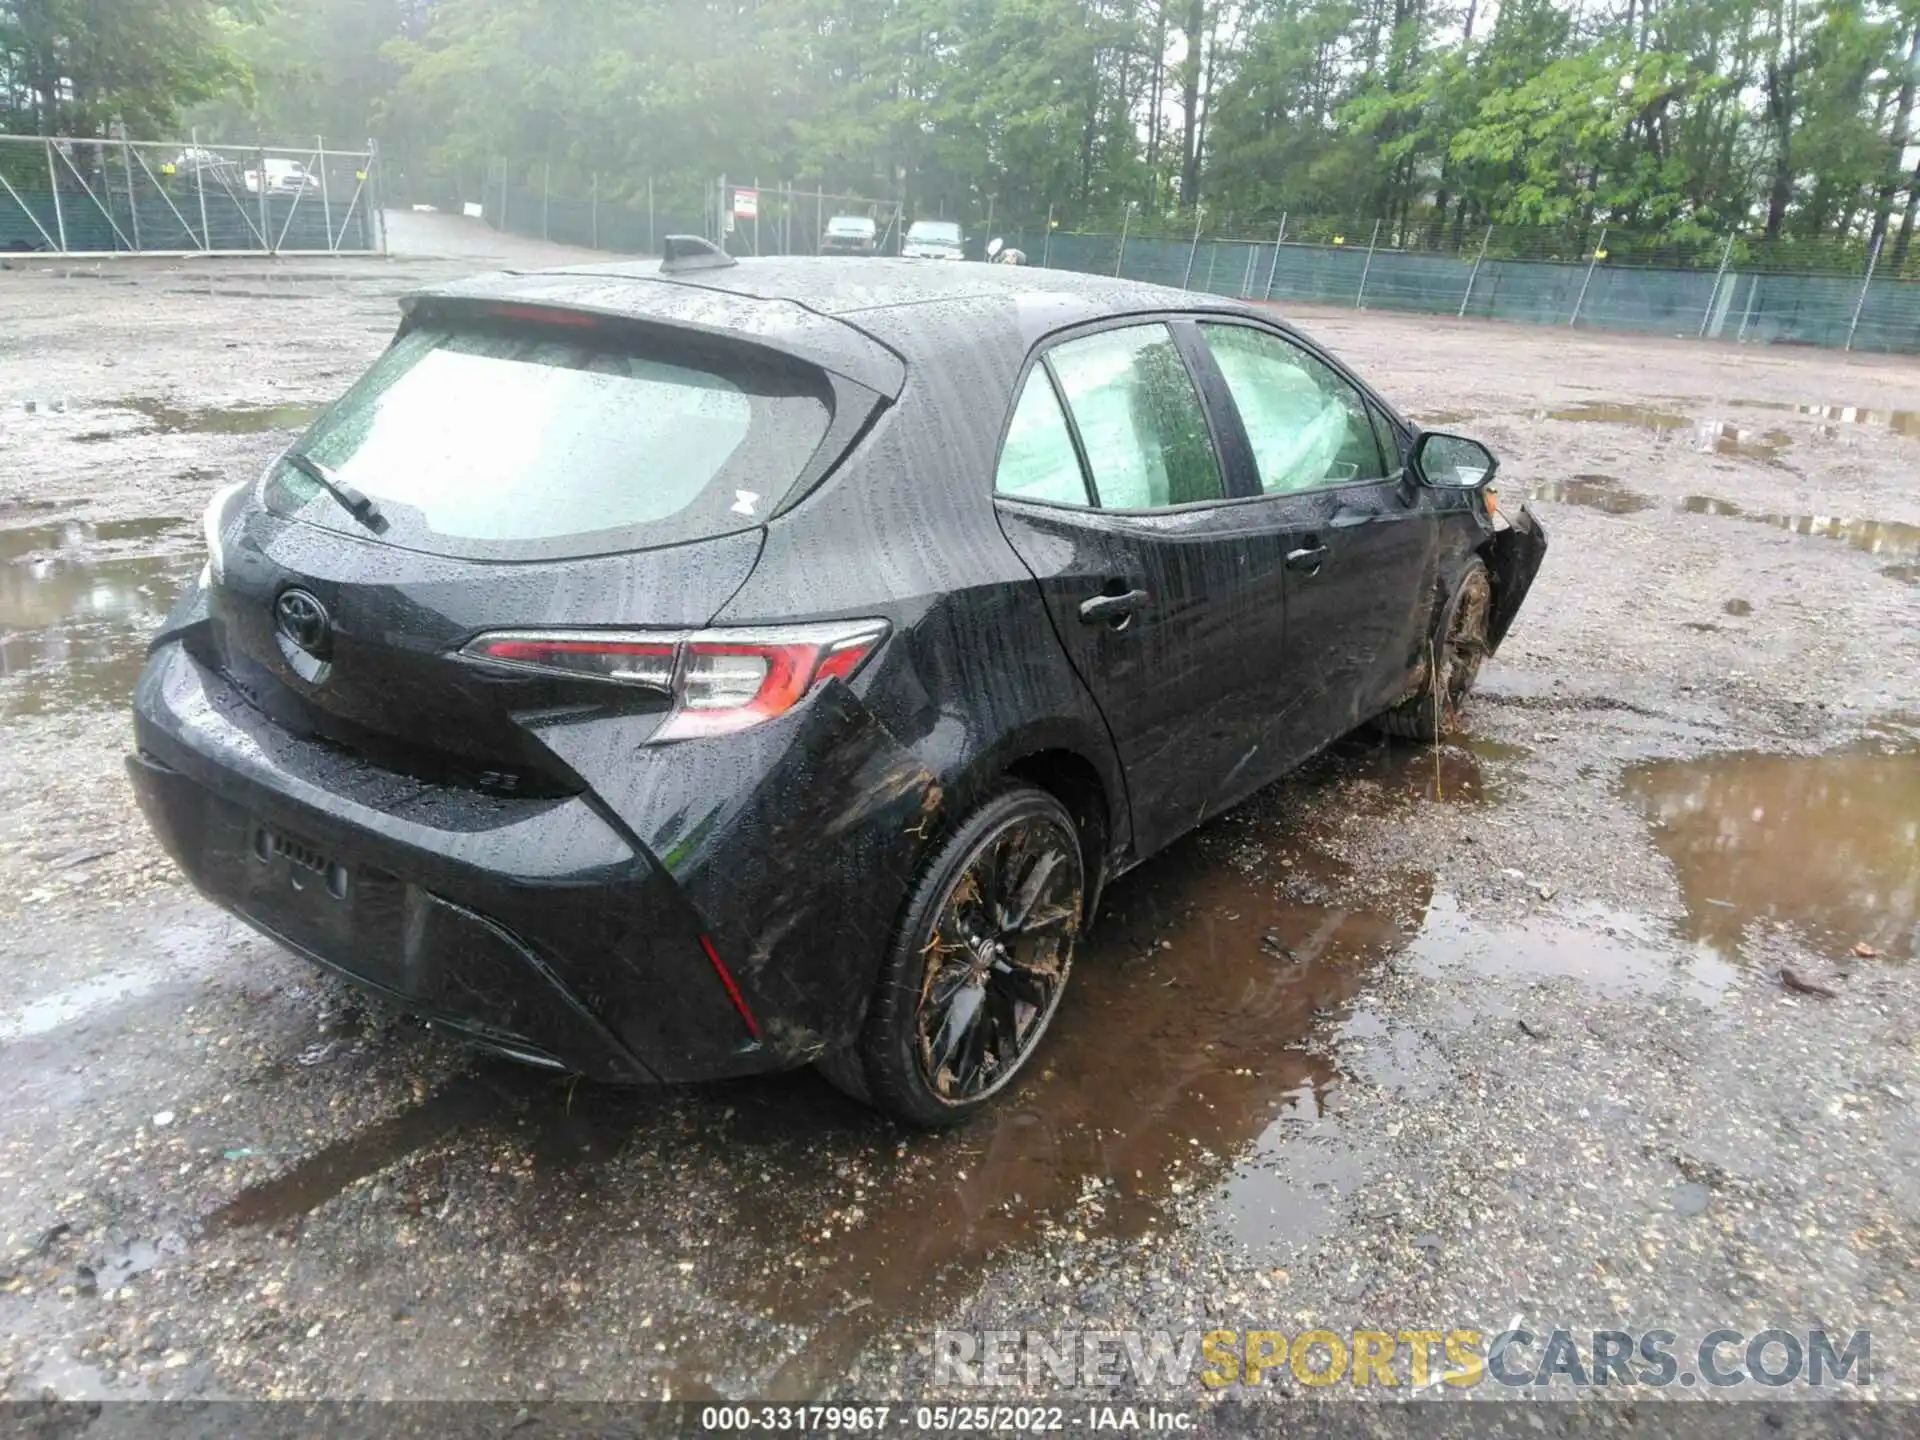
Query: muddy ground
[[1416, 1039]]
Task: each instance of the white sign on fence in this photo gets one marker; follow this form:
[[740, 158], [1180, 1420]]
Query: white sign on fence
[[746, 204]]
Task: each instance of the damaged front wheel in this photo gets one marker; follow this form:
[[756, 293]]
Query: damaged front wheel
[[1458, 646], [979, 961]]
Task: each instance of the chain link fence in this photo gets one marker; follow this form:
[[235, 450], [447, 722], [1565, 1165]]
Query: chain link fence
[[1833, 293], [115, 196]]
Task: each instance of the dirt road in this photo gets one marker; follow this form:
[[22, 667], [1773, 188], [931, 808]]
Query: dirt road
[[1417, 1039]]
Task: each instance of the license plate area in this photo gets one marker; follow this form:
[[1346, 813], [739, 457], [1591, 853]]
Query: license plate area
[[299, 863]]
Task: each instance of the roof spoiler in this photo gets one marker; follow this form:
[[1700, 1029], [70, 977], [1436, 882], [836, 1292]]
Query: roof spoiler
[[681, 253]]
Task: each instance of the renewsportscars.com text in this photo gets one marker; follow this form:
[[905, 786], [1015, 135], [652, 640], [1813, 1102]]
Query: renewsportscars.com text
[[1517, 1357]]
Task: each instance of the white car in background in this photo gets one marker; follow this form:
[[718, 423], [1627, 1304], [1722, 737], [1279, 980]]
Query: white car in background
[[284, 177], [934, 240]]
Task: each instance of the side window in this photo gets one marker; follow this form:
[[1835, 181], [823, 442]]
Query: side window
[[1307, 425], [1139, 417], [1037, 462]]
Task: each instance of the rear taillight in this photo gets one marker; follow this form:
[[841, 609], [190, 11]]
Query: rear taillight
[[720, 680]]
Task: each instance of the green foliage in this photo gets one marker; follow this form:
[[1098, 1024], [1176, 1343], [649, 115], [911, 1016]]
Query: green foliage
[[72, 67], [1675, 119]]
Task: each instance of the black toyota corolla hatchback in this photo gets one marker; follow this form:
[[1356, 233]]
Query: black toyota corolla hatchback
[[664, 671]]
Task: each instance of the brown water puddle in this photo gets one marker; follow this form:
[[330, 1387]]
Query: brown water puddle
[[73, 624], [1602, 412], [1828, 847], [1901, 422], [1891, 538], [1708, 436], [170, 419], [1595, 492]]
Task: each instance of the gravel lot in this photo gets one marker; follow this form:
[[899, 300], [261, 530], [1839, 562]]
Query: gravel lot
[[1602, 1017]]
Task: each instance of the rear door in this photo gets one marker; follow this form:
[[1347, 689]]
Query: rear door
[[1165, 590], [1361, 538]]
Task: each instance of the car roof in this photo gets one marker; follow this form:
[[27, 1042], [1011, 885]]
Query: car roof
[[919, 312]]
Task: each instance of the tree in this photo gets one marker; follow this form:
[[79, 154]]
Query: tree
[[72, 67]]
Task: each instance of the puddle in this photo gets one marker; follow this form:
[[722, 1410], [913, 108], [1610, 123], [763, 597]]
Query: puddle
[[1738, 607], [217, 420], [1600, 412], [1720, 437], [1613, 953], [1875, 537], [1596, 492], [1901, 422], [1434, 419], [74, 534], [1905, 574], [1828, 847], [1708, 436], [74, 635]]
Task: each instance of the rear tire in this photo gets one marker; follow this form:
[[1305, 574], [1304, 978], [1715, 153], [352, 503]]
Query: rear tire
[[978, 962], [1459, 645]]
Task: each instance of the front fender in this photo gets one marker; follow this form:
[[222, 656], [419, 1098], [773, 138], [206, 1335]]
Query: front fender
[[1513, 554]]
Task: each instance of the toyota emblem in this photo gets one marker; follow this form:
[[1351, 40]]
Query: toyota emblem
[[304, 620]]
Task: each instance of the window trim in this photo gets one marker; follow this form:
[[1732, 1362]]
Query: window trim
[[1370, 404], [1038, 358]]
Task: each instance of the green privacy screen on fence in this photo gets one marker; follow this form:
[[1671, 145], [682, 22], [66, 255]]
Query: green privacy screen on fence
[[1717, 295], [102, 197]]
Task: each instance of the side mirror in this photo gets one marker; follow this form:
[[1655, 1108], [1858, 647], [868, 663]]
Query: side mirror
[[1453, 461], [994, 247]]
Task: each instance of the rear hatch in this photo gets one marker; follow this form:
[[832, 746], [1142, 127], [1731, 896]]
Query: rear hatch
[[526, 469]]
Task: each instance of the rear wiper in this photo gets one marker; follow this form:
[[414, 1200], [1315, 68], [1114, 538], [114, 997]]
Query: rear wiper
[[353, 501]]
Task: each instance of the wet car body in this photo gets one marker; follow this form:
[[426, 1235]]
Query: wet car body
[[513, 855]]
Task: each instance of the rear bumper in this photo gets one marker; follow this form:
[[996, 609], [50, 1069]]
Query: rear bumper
[[546, 928], [442, 960]]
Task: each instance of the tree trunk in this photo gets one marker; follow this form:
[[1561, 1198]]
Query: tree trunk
[[1907, 221], [1897, 142], [1195, 31]]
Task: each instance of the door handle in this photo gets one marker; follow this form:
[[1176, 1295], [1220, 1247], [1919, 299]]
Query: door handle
[[1308, 559], [1114, 610]]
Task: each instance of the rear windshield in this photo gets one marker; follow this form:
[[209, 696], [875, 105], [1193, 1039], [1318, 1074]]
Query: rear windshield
[[517, 443]]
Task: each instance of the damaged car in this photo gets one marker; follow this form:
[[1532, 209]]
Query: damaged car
[[664, 671]]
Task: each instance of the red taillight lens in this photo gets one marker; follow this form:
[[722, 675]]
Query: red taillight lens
[[628, 659], [720, 681]]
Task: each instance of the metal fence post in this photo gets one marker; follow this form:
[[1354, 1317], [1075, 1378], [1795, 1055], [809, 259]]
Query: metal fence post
[[1277, 240], [200, 185], [1474, 273], [1213, 259], [133, 208], [1046, 245], [1873, 259], [260, 191], [1126, 218], [1706, 316], [1361, 295], [652, 244], [1599, 249], [1746, 315], [593, 212], [1186, 281], [326, 201], [59, 216], [1246, 280], [546, 196]]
